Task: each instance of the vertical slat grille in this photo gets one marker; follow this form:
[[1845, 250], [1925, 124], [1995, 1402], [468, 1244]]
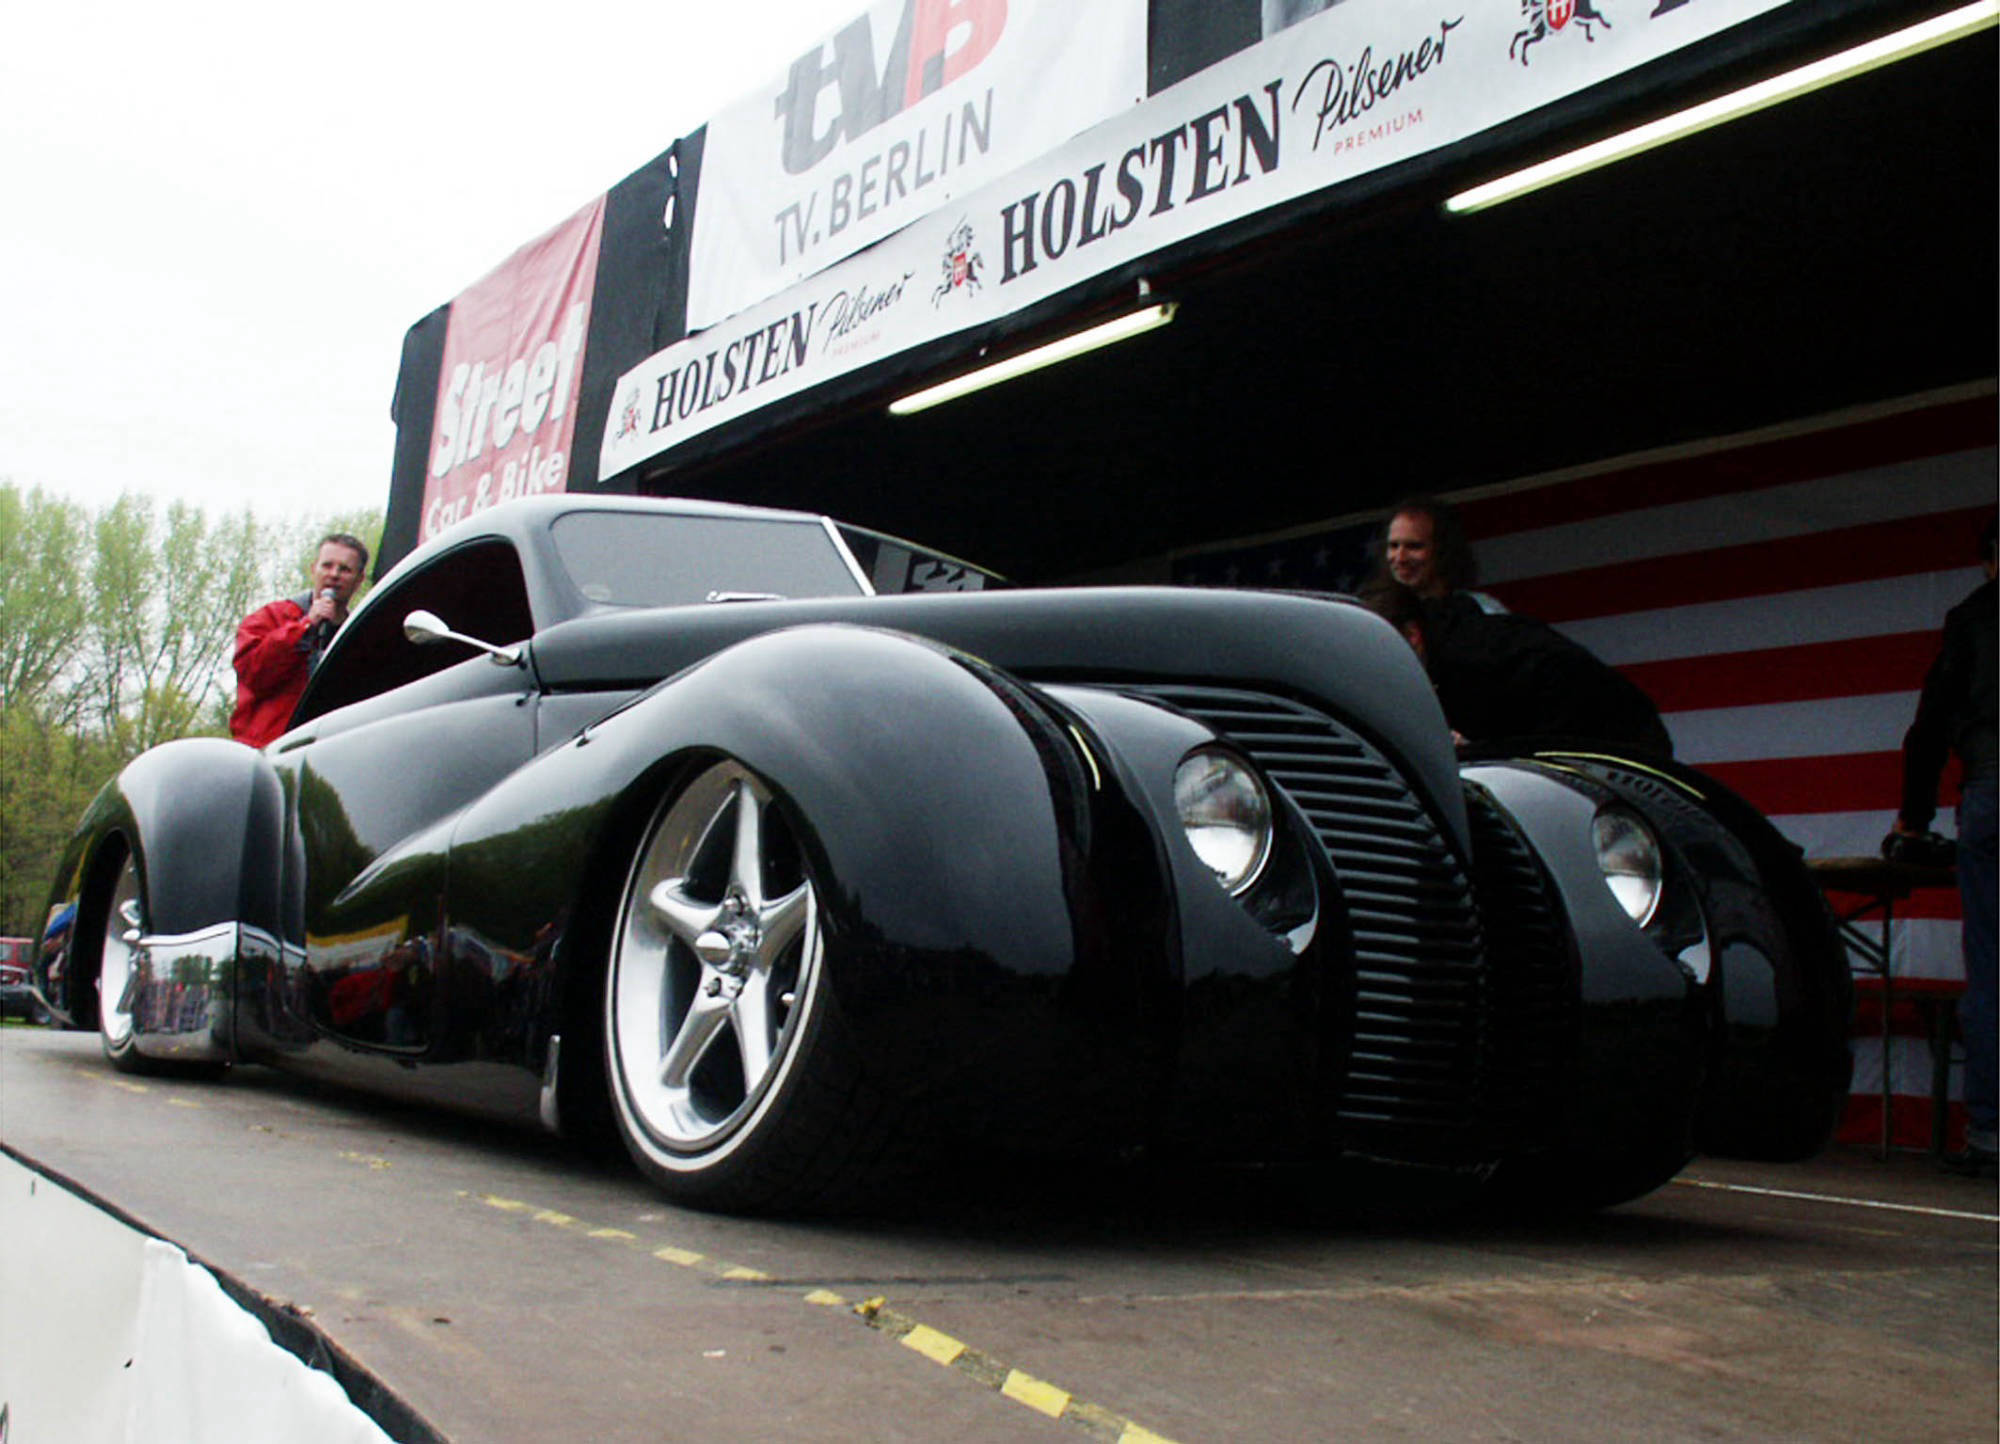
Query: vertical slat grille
[[1531, 1067], [1419, 988]]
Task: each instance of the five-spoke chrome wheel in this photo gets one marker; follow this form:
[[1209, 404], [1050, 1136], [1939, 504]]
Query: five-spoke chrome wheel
[[124, 922], [713, 968]]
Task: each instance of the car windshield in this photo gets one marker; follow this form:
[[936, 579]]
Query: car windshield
[[637, 559]]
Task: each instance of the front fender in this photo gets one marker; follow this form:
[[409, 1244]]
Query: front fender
[[1780, 1067], [1771, 979], [996, 920], [1640, 1044]]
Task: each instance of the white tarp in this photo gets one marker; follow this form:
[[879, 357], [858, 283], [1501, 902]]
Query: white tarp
[[910, 104], [1346, 92], [108, 1336]]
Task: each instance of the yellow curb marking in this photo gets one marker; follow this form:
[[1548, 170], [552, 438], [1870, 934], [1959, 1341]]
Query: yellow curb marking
[[613, 1233], [550, 1216], [369, 1159], [938, 1348], [685, 1257], [1043, 1398]]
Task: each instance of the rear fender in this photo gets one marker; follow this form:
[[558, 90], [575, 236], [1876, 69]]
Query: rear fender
[[201, 818]]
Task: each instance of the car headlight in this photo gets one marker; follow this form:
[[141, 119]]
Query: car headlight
[[1629, 857], [1227, 815]]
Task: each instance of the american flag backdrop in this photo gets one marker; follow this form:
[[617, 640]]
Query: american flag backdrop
[[1780, 596]]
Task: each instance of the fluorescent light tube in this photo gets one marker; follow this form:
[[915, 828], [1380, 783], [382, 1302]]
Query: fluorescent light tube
[[1939, 30], [1131, 324]]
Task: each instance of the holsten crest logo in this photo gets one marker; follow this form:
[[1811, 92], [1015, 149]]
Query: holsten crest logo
[[628, 413], [960, 265], [1542, 18], [921, 61]]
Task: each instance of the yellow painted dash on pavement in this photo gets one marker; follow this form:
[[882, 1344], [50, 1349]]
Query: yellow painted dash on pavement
[[1043, 1398], [1012, 1383], [938, 1348]]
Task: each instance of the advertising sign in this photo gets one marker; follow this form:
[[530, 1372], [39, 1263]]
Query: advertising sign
[[1343, 93], [511, 374], [913, 103]]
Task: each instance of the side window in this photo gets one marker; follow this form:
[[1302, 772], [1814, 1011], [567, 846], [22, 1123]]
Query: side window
[[477, 589], [894, 566]]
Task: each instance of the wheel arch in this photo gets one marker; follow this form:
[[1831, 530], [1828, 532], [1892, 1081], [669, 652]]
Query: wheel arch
[[946, 809], [93, 904], [583, 1106]]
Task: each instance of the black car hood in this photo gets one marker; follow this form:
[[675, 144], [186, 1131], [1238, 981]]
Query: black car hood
[[1325, 651]]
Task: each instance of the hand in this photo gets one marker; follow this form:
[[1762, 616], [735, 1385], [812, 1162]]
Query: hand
[[324, 608]]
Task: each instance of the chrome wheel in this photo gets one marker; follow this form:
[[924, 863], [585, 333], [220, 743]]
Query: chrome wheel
[[124, 922], [713, 970]]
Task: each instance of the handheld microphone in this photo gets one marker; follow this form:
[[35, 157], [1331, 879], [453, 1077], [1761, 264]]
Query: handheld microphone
[[323, 630]]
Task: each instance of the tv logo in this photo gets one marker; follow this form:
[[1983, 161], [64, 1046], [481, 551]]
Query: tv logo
[[936, 42]]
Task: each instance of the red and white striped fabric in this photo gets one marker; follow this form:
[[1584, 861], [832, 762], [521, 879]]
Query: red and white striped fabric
[[1780, 598]]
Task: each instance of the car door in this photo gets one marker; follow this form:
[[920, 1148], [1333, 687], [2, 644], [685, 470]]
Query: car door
[[392, 739]]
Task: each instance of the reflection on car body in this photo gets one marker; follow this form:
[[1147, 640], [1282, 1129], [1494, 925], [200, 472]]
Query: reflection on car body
[[887, 857]]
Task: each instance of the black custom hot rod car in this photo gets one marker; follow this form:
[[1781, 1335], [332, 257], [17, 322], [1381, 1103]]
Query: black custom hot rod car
[[785, 852]]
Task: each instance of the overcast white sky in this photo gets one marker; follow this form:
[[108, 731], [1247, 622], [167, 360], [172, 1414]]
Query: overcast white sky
[[218, 218]]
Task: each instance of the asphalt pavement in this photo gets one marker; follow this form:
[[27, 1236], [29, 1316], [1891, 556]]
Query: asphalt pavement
[[500, 1288]]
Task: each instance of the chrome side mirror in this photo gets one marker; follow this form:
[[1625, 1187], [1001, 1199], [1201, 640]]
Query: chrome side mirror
[[424, 628]]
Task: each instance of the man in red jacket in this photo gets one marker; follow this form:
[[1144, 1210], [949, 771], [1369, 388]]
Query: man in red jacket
[[279, 645]]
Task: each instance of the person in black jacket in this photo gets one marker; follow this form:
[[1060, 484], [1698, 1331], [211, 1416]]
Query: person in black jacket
[[1503, 677], [1956, 714]]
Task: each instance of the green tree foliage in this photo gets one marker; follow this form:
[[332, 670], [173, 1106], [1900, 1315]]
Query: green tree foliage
[[48, 775], [44, 597], [116, 633]]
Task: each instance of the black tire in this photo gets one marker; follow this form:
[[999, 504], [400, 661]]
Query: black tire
[[733, 1081], [1565, 1184]]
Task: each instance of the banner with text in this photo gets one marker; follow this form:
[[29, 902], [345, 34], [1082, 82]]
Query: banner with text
[[1349, 91], [511, 373], [911, 104]]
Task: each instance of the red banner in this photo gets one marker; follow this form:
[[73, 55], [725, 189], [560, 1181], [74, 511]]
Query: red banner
[[512, 372]]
